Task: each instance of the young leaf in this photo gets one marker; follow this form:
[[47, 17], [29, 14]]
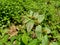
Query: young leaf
[[36, 14], [40, 18], [45, 40], [31, 13], [53, 43], [38, 28], [47, 30], [30, 25], [25, 19], [38, 31]]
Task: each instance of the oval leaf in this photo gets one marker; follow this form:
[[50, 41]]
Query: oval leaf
[[47, 30], [38, 28], [53, 43], [45, 40], [38, 32], [40, 18], [30, 25], [25, 39]]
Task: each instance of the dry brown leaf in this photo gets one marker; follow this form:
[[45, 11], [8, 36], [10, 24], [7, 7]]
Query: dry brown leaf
[[12, 31], [33, 35]]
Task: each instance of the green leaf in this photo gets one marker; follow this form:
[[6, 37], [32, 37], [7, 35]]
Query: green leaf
[[25, 39], [8, 43], [5, 31], [17, 42], [47, 30], [53, 43], [13, 38], [30, 25], [33, 42], [38, 29], [45, 40], [41, 18], [5, 38], [36, 14], [58, 42], [38, 32], [26, 19], [31, 13], [1, 43]]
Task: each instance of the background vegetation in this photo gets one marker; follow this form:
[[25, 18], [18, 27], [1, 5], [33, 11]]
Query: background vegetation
[[29, 22]]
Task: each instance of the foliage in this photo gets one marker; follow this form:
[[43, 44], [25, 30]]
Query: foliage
[[37, 22]]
